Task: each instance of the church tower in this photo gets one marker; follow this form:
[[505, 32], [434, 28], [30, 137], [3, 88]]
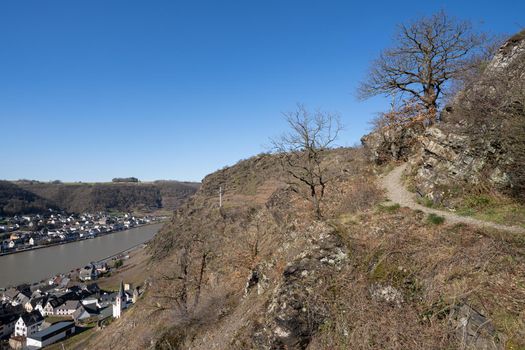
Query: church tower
[[119, 299]]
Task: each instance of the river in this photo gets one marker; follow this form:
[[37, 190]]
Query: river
[[35, 265]]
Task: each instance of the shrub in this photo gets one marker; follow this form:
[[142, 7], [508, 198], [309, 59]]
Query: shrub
[[478, 201], [119, 263], [435, 219], [389, 208], [427, 202]]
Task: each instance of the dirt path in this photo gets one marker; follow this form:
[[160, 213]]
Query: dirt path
[[397, 193]]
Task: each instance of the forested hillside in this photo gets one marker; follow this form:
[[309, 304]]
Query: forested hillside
[[32, 197]]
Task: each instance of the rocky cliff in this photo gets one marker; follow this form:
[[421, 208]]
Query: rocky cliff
[[478, 143]]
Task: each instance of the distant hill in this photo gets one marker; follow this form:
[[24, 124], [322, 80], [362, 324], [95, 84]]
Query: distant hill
[[22, 197], [14, 199]]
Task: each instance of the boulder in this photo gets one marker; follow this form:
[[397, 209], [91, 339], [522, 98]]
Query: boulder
[[474, 330], [446, 159], [295, 310]]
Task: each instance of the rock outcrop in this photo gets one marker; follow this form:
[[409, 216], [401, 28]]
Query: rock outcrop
[[391, 143], [446, 160], [478, 142], [511, 49], [296, 309], [474, 330]]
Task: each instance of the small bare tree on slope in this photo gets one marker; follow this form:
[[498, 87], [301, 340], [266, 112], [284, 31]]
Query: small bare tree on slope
[[302, 151]]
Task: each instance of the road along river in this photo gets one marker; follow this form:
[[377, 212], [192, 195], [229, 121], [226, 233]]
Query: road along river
[[35, 265]]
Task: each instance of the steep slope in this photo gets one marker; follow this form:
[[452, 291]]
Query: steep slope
[[470, 162], [261, 273]]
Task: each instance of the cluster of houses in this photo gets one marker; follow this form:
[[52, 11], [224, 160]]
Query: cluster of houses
[[30, 231], [24, 310]]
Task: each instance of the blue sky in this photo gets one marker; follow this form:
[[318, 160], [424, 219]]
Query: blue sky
[[91, 90]]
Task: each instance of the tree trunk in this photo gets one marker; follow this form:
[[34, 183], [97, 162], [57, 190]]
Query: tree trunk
[[316, 204]]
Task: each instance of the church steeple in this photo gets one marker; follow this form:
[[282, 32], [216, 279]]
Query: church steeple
[[121, 290], [119, 299]]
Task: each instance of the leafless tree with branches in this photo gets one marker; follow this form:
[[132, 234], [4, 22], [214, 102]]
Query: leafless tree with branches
[[302, 151], [427, 54]]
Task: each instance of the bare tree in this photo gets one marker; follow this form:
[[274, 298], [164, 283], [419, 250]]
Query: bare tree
[[302, 151], [427, 54]]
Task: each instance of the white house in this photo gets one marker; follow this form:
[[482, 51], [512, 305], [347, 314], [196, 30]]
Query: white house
[[51, 306], [84, 312], [67, 308], [35, 302], [88, 273], [28, 324], [20, 299]]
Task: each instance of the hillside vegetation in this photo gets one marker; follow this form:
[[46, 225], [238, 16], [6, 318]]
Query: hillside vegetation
[[33, 197], [262, 273], [16, 200]]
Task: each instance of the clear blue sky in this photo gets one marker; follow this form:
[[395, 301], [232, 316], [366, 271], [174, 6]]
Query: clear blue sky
[[91, 90]]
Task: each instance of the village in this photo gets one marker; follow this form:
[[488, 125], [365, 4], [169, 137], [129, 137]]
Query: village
[[26, 232], [37, 315]]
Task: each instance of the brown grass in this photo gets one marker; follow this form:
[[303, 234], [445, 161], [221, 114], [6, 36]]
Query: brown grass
[[436, 268], [134, 270], [433, 267]]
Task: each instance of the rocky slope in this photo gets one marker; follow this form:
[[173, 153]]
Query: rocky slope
[[480, 141], [262, 273]]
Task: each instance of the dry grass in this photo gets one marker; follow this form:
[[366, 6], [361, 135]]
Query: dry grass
[[491, 207], [433, 267], [135, 270]]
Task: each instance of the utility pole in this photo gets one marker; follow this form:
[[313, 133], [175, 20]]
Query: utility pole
[[220, 197]]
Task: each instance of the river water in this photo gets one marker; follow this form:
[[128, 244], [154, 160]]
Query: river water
[[35, 265]]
